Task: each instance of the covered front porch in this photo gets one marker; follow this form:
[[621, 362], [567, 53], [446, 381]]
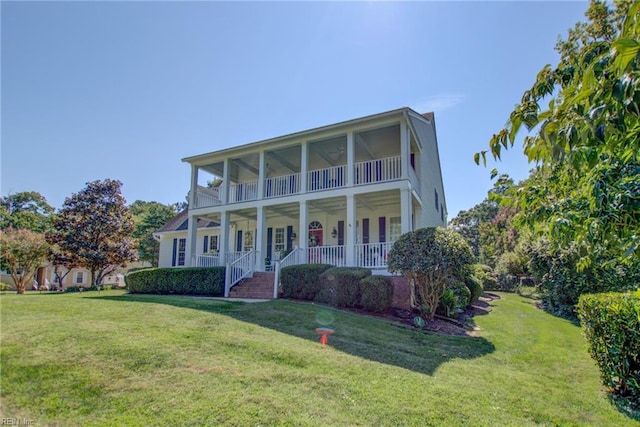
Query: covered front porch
[[352, 230]]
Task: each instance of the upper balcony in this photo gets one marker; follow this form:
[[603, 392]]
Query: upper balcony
[[321, 161], [364, 173]]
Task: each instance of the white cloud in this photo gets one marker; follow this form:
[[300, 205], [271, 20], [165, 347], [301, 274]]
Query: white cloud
[[438, 103]]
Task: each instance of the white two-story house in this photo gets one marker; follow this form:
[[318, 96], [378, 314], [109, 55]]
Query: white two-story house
[[339, 194]]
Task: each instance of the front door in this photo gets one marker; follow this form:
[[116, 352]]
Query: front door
[[315, 242]]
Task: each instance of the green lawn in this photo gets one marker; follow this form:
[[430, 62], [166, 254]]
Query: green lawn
[[114, 359]]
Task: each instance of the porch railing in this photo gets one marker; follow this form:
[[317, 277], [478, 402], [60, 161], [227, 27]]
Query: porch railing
[[334, 255], [372, 255], [380, 170], [243, 192], [237, 270], [280, 186], [208, 260], [327, 179]]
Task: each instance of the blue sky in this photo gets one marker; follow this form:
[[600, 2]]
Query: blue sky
[[124, 90]]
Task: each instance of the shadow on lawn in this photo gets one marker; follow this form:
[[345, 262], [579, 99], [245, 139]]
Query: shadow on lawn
[[362, 336]]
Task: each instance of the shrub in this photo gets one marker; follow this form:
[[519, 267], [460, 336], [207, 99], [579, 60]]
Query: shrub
[[344, 284], [507, 283], [447, 304], [5, 286], [75, 289], [429, 257], [461, 291], [562, 282], [181, 281], [302, 281], [376, 293], [474, 284], [611, 324]]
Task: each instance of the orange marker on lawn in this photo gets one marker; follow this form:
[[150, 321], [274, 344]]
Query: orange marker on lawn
[[324, 333]]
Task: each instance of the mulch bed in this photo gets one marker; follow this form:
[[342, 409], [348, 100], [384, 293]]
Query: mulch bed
[[463, 325]]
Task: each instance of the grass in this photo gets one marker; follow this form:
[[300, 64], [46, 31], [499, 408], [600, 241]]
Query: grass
[[114, 359]]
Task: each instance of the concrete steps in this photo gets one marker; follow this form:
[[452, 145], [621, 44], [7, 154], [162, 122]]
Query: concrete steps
[[260, 286]]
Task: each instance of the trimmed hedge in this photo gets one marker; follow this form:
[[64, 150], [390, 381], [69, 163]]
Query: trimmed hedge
[[376, 293], [340, 286], [302, 281], [611, 324], [181, 281]]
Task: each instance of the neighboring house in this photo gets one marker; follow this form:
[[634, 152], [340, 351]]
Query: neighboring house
[[339, 194], [77, 277]]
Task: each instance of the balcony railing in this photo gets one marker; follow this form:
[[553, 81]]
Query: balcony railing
[[327, 179], [380, 170], [243, 192], [281, 186], [370, 172], [207, 197]]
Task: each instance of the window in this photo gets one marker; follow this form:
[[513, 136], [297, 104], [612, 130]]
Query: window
[[248, 240], [182, 251], [79, 277], [213, 244], [395, 228], [279, 244], [442, 213], [435, 192]]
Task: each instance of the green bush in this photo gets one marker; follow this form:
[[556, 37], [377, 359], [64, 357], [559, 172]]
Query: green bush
[[474, 284], [611, 324], [376, 293], [428, 258], [447, 304], [180, 281], [76, 289], [484, 273], [302, 281], [461, 291], [343, 283], [507, 283], [5, 286], [562, 282]]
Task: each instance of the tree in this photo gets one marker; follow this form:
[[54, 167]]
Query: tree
[[63, 262], [429, 258], [468, 223], [587, 140], [27, 210], [96, 225], [23, 252], [149, 217]]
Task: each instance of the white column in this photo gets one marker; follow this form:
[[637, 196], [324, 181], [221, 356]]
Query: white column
[[405, 151], [223, 245], [303, 231], [304, 164], [406, 211], [351, 154], [261, 175], [194, 186], [351, 231], [225, 182], [192, 237], [261, 241]]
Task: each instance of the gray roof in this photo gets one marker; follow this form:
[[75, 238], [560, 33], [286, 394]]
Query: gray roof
[[180, 222]]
